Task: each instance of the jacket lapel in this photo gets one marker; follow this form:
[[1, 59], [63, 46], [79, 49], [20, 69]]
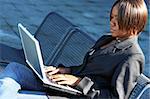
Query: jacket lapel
[[101, 42]]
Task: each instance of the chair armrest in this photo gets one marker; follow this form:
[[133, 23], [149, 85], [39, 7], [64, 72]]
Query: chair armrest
[[143, 84], [23, 94]]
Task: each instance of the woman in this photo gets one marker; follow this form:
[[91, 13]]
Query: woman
[[109, 69]]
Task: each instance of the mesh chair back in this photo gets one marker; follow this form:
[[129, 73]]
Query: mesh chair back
[[52, 30], [74, 49]]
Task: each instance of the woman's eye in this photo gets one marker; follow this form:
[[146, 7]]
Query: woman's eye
[[115, 16], [111, 17]]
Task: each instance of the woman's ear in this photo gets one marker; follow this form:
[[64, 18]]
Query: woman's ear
[[135, 31]]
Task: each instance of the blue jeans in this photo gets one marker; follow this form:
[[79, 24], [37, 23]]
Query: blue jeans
[[15, 77]]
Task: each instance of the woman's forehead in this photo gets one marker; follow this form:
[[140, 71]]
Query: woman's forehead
[[114, 11]]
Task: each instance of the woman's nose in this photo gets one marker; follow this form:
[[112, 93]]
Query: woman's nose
[[112, 23]]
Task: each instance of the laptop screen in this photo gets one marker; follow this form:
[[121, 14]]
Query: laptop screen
[[34, 59], [30, 46]]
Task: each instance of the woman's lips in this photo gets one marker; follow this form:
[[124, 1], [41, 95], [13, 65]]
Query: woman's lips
[[112, 30]]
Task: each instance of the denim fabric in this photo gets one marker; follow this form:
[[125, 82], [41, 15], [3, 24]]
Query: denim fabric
[[16, 76], [8, 88], [136, 91], [142, 82]]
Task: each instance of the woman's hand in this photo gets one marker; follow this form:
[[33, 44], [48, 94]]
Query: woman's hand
[[65, 79], [50, 70]]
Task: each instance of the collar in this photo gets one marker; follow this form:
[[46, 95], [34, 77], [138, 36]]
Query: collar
[[126, 43], [103, 40]]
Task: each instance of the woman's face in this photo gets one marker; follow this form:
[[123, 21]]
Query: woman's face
[[114, 27]]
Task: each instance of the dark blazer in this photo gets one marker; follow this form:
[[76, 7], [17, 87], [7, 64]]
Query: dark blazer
[[110, 72]]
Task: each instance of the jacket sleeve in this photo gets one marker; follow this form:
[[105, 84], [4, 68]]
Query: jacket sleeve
[[73, 69], [125, 75], [86, 86]]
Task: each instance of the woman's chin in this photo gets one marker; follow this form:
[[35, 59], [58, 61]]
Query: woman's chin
[[113, 35]]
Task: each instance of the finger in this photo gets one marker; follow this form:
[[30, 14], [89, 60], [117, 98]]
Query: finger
[[57, 76], [63, 82], [49, 69], [45, 67], [53, 72], [58, 79]]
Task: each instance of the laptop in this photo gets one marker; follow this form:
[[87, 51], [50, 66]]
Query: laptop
[[34, 59]]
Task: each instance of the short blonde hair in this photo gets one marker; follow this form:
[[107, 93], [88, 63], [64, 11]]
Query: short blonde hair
[[132, 14]]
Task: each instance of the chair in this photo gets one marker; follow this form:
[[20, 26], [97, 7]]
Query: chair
[[52, 30], [73, 50], [52, 33], [23, 94], [142, 88]]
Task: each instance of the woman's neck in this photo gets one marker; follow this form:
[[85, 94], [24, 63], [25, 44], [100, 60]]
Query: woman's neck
[[124, 38]]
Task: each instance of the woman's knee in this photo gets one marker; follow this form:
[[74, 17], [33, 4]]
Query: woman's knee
[[14, 66], [13, 69], [8, 88]]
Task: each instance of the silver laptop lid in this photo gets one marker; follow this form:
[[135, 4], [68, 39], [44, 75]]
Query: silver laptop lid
[[32, 51], [34, 59]]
